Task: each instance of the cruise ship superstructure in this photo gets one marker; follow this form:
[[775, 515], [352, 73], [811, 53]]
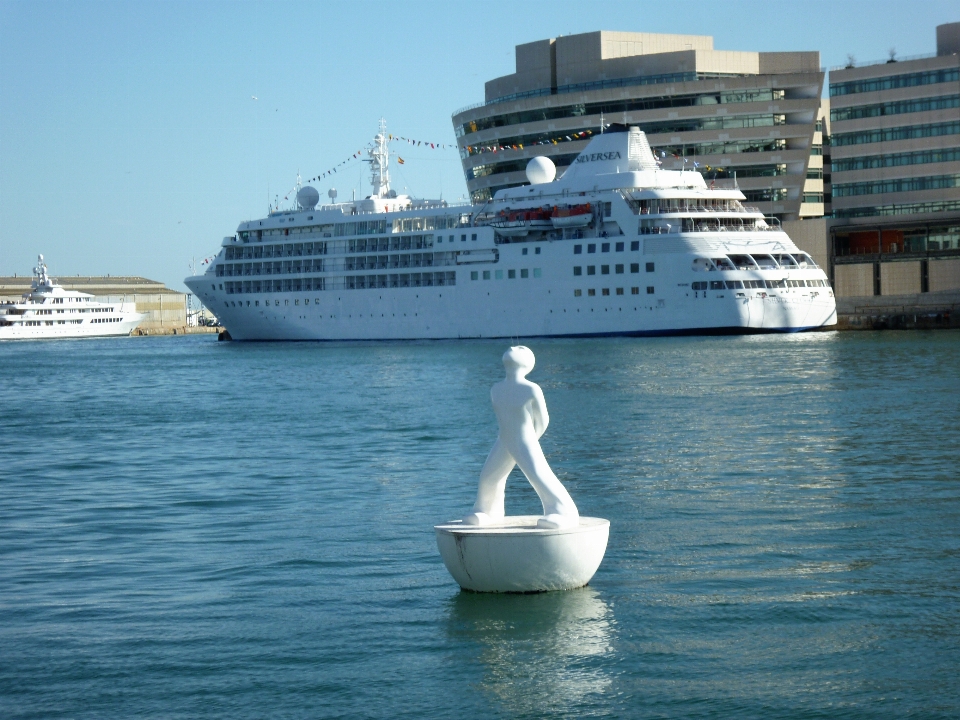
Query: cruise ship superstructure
[[616, 246], [49, 311]]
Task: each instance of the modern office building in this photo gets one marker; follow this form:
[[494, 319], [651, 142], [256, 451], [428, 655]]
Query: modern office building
[[895, 173], [752, 115]]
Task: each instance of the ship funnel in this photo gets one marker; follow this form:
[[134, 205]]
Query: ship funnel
[[619, 149]]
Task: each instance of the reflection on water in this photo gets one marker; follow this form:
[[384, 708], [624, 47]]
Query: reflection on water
[[540, 653]]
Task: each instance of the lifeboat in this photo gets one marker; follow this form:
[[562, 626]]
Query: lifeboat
[[572, 216], [516, 223]]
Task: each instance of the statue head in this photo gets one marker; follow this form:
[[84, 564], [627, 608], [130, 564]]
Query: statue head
[[519, 358]]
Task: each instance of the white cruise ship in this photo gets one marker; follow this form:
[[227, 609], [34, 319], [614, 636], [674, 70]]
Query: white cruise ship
[[616, 246], [49, 311]]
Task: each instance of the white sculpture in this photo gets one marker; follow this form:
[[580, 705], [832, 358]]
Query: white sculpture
[[488, 552], [522, 415]]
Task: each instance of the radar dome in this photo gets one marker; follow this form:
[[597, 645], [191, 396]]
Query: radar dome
[[308, 198], [541, 170]]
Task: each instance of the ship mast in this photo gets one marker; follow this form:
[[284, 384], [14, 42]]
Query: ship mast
[[379, 163]]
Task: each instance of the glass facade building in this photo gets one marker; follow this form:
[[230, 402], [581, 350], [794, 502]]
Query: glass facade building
[[745, 115], [895, 170]]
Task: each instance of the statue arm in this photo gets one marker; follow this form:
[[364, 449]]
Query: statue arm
[[541, 418]]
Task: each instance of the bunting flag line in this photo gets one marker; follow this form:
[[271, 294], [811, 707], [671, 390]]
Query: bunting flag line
[[478, 149], [358, 155]]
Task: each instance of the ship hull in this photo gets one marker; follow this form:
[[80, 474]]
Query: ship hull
[[544, 301]]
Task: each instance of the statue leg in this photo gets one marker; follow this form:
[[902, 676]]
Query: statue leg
[[493, 484], [559, 509]]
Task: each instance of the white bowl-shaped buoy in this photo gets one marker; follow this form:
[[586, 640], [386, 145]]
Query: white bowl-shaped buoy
[[514, 555]]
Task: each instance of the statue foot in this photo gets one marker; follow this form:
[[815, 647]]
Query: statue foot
[[478, 518], [555, 522]]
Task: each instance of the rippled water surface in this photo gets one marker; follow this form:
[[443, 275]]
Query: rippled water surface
[[200, 529]]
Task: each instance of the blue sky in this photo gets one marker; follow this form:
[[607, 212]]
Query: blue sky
[[130, 142]]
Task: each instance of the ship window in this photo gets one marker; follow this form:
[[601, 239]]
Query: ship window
[[511, 274], [524, 273], [577, 293], [577, 270], [619, 291], [474, 275], [524, 251], [635, 245], [605, 247], [604, 269], [619, 247], [591, 292], [536, 272], [536, 251], [499, 274], [473, 236], [634, 267], [649, 290], [577, 249], [463, 238], [699, 285], [591, 269], [605, 291], [591, 248], [702, 265], [618, 269], [486, 274], [766, 262], [743, 262], [716, 285], [734, 284], [634, 291]]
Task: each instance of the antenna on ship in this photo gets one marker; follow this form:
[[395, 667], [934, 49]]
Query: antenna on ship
[[380, 163]]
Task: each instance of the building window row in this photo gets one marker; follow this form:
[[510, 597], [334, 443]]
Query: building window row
[[900, 107], [920, 157], [614, 83], [904, 209], [765, 195], [348, 282], [906, 132], [514, 166], [610, 107], [892, 82], [554, 138], [935, 182]]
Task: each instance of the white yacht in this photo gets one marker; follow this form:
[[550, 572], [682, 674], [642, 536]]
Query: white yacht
[[49, 311], [616, 246]]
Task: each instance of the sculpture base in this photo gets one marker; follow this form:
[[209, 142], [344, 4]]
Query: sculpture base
[[514, 555]]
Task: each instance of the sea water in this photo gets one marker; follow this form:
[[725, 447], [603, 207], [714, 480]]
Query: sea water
[[199, 529]]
